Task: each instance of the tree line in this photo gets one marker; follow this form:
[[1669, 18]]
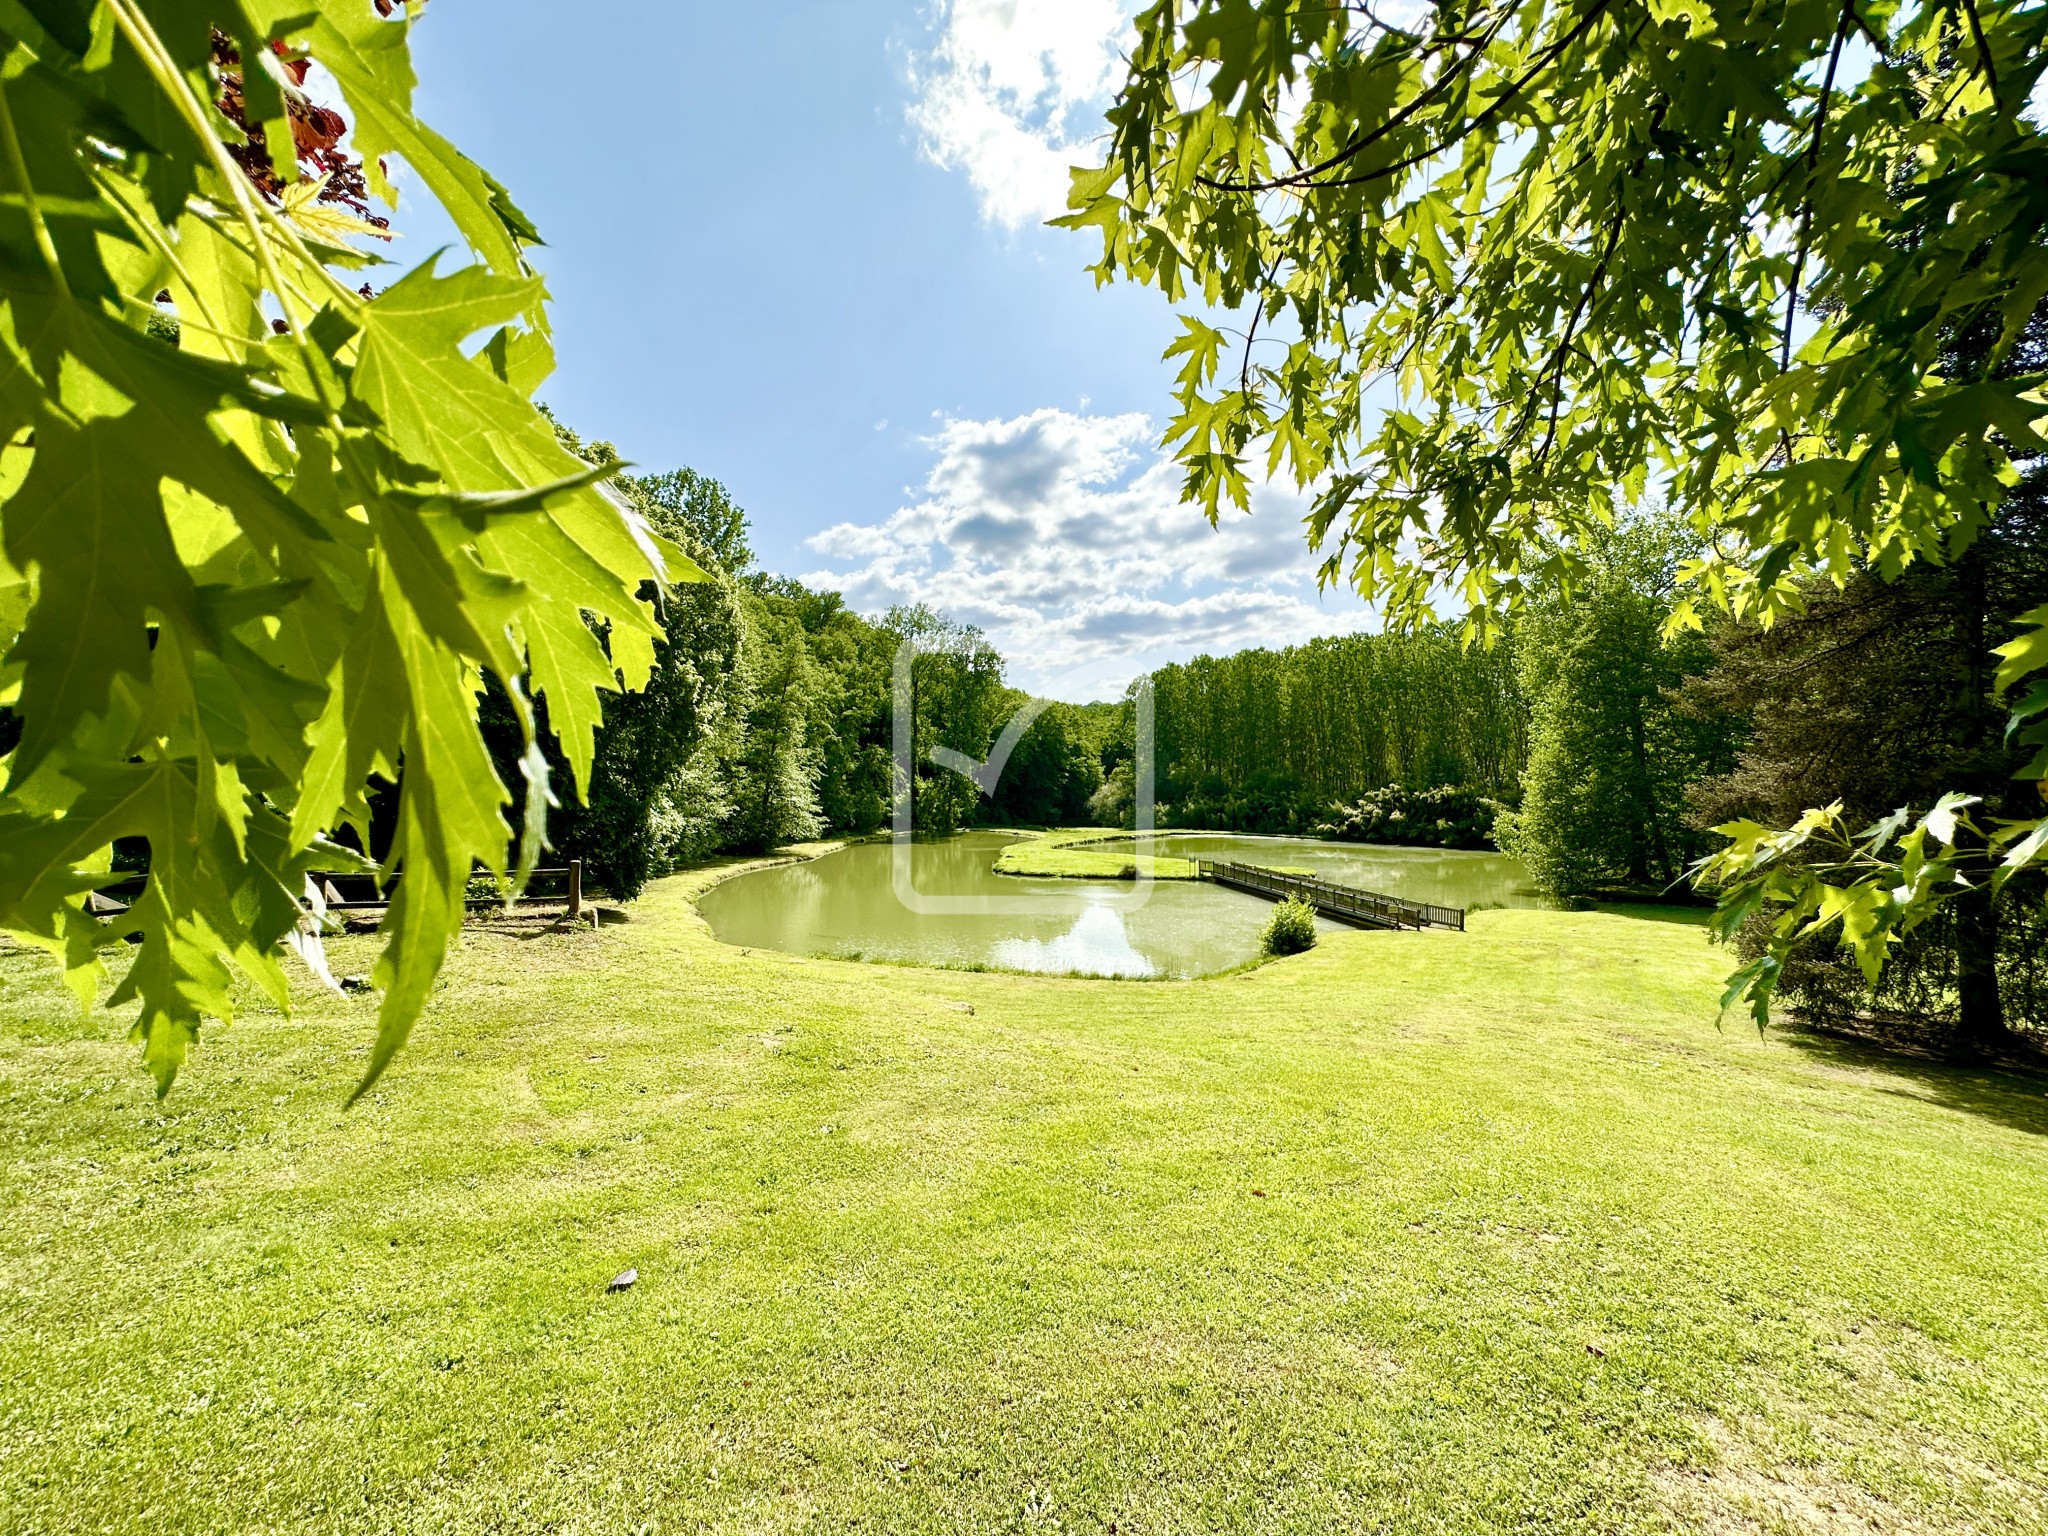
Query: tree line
[[1604, 745], [1284, 740], [768, 717]]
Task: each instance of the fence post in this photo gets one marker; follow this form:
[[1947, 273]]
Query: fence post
[[575, 887]]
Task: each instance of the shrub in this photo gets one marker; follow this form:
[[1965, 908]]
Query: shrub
[[1443, 817], [1291, 929]]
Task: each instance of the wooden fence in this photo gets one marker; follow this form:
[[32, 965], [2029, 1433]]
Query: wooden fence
[[354, 892]]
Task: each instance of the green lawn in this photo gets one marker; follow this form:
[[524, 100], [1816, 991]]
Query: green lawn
[[1417, 1232]]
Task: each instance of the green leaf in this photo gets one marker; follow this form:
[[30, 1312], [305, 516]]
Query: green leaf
[[369, 60], [245, 574], [90, 517], [522, 358], [448, 819], [2027, 654], [444, 408]]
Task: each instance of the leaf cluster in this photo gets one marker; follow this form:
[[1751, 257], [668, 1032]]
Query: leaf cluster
[[1865, 889], [1509, 268], [251, 573]]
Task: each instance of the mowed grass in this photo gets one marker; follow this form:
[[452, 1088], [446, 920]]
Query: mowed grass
[[1090, 853], [1425, 1232]]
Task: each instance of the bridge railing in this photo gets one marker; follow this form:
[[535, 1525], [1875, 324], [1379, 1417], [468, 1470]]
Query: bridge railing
[[1374, 906]]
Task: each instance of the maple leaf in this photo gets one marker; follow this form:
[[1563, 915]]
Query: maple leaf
[[244, 574], [300, 204]]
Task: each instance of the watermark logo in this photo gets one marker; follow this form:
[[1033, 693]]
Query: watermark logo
[[986, 774]]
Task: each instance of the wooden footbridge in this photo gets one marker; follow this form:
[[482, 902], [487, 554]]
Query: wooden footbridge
[[1347, 904]]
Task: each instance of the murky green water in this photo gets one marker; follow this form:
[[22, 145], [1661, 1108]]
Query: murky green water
[[859, 903]]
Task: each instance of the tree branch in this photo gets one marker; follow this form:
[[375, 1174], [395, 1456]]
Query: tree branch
[[1360, 144], [1984, 55], [1820, 123], [1491, 111], [1564, 346], [1244, 372], [1562, 354]]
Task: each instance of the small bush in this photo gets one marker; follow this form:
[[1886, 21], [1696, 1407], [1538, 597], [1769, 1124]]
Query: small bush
[[1291, 929]]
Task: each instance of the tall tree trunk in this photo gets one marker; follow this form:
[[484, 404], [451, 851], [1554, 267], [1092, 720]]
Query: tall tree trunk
[[1646, 843], [1980, 1015], [770, 771]]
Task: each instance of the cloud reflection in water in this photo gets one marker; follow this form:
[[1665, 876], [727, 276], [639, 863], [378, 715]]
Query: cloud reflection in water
[[1096, 944]]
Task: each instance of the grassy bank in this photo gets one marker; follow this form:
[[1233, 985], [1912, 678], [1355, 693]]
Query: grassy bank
[[1091, 853], [1481, 1231], [1081, 854]]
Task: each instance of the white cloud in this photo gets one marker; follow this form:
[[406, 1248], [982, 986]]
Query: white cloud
[[1064, 537], [1012, 93]]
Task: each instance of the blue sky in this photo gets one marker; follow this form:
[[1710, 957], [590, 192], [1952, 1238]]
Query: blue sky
[[797, 245]]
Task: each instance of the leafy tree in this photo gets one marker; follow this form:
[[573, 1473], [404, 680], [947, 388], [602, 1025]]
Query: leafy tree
[[957, 699], [1276, 741], [1053, 770], [1115, 803], [682, 502], [1878, 695], [774, 774], [250, 572], [1610, 753], [849, 716], [1585, 245], [694, 806]]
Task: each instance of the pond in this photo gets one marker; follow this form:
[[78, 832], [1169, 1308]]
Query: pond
[[1449, 877], [851, 904]]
